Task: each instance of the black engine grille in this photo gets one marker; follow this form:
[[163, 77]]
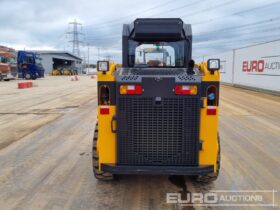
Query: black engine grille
[[158, 134]]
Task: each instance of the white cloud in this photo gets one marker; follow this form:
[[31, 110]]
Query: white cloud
[[34, 24]]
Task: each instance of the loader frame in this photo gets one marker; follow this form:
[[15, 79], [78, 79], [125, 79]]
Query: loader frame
[[115, 128]]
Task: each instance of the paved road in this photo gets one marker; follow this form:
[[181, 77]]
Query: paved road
[[51, 167], [24, 110]]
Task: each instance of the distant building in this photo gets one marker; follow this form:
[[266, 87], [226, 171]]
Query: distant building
[[55, 59]]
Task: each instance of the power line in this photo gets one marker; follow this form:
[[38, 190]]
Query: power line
[[223, 4], [242, 33], [132, 15], [229, 45], [237, 13], [103, 37], [214, 7], [227, 42], [178, 8], [119, 25], [235, 40], [174, 9], [104, 25], [239, 26], [210, 8], [205, 33], [75, 37], [58, 42], [183, 6]]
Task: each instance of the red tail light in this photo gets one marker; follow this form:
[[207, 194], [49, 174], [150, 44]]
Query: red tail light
[[182, 90], [185, 89], [131, 89], [211, 110], [104, 110]]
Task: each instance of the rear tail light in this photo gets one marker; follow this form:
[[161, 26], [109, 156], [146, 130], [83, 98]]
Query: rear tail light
[[24, 66], [185, 89], [211, 110], [131, 90], [104, 110]]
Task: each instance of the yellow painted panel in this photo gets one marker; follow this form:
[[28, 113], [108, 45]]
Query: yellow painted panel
[[206, 74], [209, 136], [106, 144]]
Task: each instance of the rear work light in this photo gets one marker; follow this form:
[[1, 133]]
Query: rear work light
[[185, 89], [131, 90]]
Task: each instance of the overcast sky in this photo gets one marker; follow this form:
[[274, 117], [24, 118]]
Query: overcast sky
[[217, 25]]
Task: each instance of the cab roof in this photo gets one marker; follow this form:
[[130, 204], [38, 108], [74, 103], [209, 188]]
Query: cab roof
[[157, 29]]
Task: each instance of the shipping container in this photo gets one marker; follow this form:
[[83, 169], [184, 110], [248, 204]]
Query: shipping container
[[258, 66]]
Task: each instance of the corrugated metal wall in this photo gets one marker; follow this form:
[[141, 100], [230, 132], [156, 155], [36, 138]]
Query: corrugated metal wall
[[47, 63], [256, 66]]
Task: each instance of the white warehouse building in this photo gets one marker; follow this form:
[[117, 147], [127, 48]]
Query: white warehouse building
[[54, 59]]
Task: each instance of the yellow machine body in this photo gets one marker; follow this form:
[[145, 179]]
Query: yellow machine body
[[106, 144], [55, 72], [67, 72]]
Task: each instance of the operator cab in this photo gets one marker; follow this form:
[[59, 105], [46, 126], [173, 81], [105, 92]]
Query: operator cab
[[158, 43], [157, 54]]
